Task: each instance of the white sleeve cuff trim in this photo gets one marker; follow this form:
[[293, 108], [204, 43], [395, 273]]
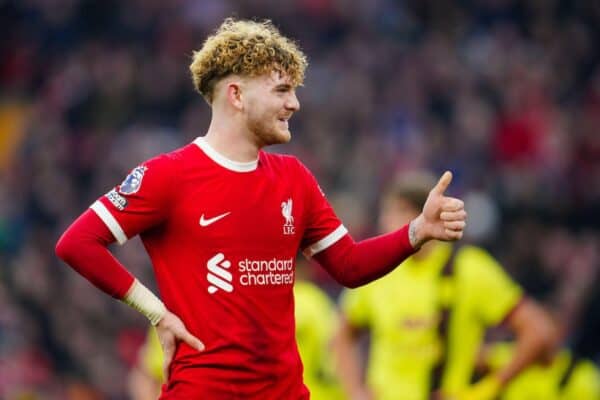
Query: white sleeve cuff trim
[[326, 241], [110, 221]]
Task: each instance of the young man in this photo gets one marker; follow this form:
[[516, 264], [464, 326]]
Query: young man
[[427, 319], [222, 221]]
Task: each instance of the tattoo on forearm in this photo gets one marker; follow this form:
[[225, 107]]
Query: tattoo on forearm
[[412, 234]]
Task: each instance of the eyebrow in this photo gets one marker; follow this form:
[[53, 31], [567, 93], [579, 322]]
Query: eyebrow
[[285, 86]]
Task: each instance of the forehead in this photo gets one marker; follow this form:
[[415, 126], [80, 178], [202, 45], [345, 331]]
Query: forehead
[[271, 79]]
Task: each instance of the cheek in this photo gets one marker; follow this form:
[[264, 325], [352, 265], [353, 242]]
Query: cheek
[[260, 121], [258, 109]]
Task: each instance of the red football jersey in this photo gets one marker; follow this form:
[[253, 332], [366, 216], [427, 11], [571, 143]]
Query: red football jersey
[[223, 237]]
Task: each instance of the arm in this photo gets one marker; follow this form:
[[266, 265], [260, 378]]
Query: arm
[[145, 378], [355, 264], [348, 361], [535, 338], [141, 385], [84, 247]]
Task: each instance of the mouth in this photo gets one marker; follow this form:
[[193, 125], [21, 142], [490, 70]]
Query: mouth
[[284, 120]]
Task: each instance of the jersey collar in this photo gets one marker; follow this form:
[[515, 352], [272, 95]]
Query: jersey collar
[[223, 161]]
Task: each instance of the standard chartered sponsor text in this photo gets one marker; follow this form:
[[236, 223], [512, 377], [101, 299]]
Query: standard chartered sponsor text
[[266, 272]]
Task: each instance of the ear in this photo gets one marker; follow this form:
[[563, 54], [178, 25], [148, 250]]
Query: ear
[[234, 94]]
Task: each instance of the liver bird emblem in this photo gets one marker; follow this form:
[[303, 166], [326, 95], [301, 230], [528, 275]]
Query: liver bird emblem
[[286, 211]]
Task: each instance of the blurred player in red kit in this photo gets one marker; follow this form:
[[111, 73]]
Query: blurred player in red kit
[[222, 221]]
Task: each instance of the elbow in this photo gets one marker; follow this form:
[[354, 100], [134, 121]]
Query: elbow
[[61, 249], [342, 273], [352, 284], [348, 280], [550, 336], [545, 335], [352, 278], [64, 248], [536, 330]]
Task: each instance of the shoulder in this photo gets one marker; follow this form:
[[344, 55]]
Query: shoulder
[[171, 163], [287, 165], [167, 160], [181, 155], [281, 160], [158, 171], [478, 266], [470, 257]]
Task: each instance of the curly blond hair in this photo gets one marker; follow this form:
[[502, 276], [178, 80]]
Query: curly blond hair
[[247, 48]]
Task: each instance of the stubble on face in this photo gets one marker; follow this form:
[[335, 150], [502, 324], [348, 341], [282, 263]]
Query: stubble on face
[[267, 115]]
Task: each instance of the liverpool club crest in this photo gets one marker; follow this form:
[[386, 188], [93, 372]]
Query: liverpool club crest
[[286, 211]]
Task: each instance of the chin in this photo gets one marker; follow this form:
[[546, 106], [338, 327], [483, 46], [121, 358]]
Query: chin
[[279, 137], [286, 136], [274, 135]]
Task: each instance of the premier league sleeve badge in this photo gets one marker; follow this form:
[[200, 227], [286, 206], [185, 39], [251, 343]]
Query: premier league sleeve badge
[[133, 181]]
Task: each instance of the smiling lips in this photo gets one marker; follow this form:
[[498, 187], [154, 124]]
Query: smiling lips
[[285, 118], [284, 121]]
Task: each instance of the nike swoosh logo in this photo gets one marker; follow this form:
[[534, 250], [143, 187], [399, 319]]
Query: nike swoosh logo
[[207, 222]]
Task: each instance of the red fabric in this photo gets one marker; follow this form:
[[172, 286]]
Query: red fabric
[[191, 385], [354, 264], [223, 245], [83, 247]]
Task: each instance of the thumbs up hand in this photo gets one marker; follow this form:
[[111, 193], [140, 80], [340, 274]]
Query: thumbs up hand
[[442, 218]]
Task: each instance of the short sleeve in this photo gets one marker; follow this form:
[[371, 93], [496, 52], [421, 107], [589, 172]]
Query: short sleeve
[[322, 226], [141, 201], [495, 294], [355, 306]]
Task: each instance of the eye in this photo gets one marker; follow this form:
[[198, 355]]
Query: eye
[[283, 89]]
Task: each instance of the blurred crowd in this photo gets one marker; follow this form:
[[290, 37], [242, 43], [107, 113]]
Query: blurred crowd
[[505, 93]]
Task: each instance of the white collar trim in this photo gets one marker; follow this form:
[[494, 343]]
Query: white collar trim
[[223, 161]]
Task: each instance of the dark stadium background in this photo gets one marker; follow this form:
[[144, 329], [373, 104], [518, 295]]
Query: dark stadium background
[[505, 93]]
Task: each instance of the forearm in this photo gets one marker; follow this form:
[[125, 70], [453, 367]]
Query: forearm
[[527, 351], [354, 264], [83, 247]]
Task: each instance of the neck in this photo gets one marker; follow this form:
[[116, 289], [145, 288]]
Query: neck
[[230, 138]]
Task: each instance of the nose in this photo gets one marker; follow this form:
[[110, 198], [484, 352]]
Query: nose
[[292, 102]]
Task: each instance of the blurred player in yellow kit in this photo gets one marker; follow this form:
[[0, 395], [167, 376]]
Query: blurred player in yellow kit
[[316, 322], [427, 319], [565, 378]]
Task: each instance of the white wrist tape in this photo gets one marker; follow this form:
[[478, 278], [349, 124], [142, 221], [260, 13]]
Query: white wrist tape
[[140, 298]]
